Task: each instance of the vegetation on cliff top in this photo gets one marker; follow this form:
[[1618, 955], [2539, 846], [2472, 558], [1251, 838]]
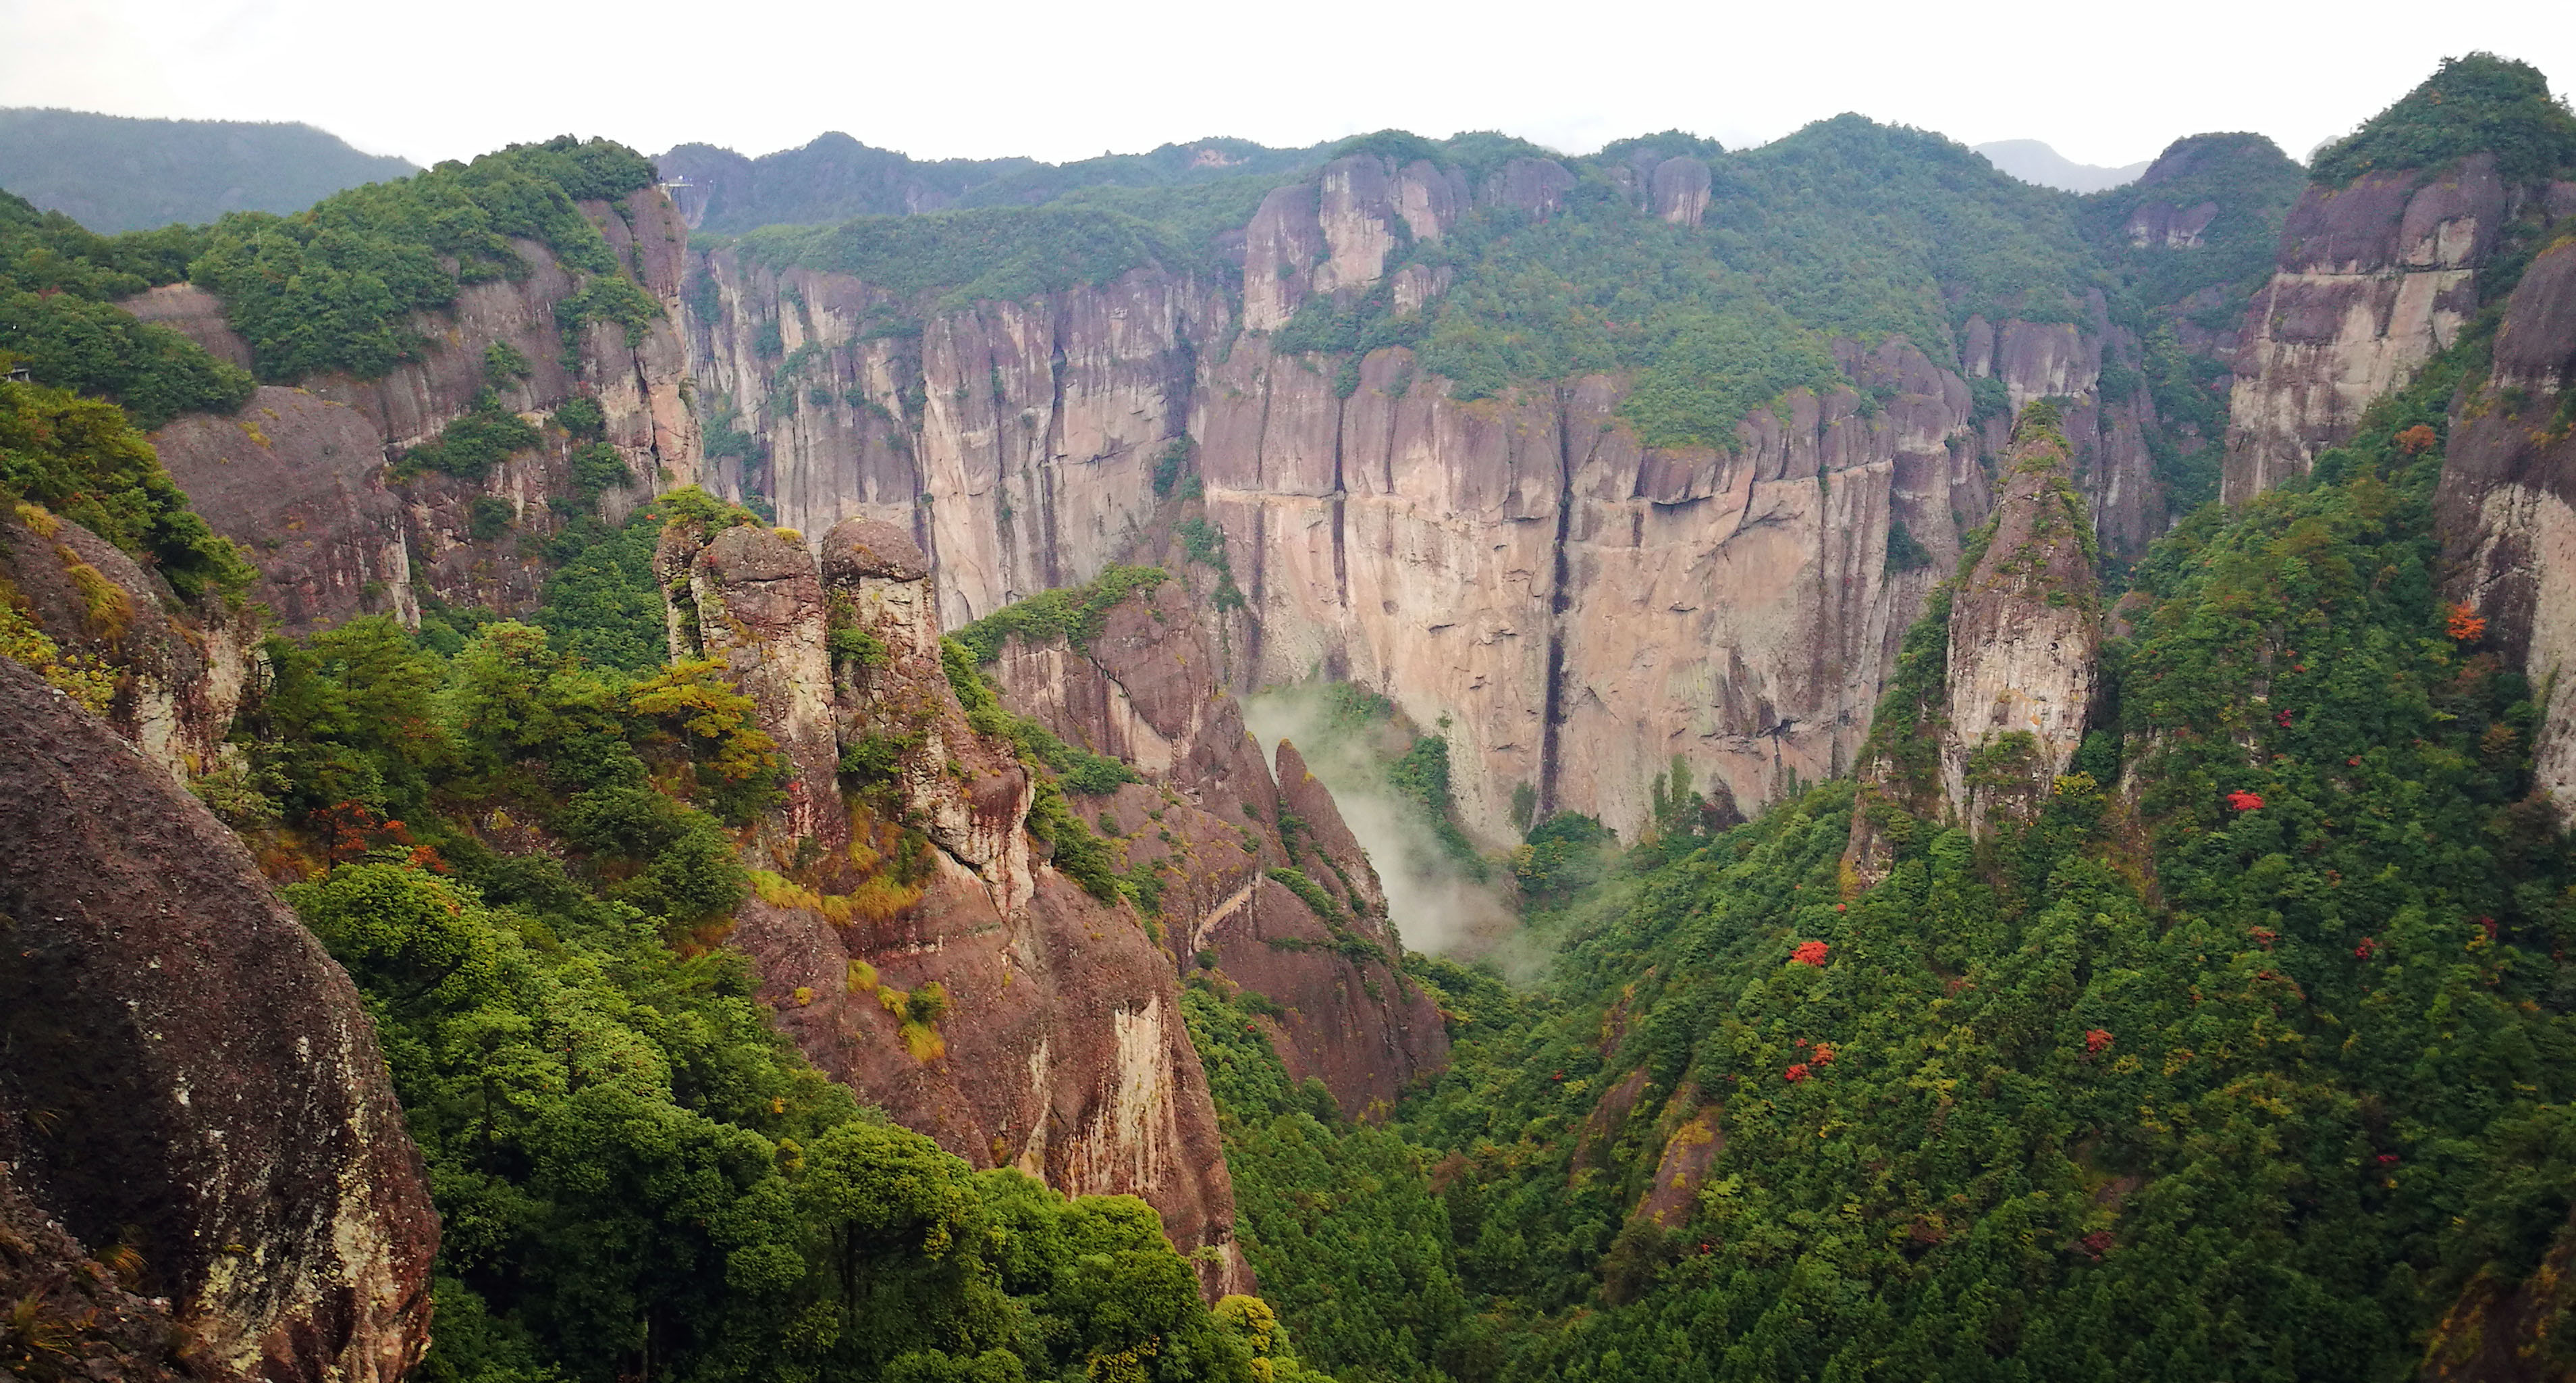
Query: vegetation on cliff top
[[334, 287], [58, 286], [2471, 105], [2252, 184], [1846, 228]]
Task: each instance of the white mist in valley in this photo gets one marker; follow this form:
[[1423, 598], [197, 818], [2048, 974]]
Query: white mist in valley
[[1434, 903]]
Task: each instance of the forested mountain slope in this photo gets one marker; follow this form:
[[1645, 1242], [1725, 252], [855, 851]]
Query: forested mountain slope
[[113, 173]]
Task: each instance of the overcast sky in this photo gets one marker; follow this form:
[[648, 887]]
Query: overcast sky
[[2105, 84]]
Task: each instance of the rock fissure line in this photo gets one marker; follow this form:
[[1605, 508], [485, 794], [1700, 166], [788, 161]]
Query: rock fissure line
[[1552, 703]]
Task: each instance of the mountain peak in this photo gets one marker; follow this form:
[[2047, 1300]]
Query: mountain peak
[[2035, 162]]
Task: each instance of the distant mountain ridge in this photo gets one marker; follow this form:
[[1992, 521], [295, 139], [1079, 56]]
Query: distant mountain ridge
[[836, 177], [2035, 162], [116, 173]]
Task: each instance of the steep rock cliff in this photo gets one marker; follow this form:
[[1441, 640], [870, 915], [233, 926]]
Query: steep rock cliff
[[2372, 280], [1208, 824], [301, 476], [189, 1074], [1580, 607], [911, 938], [2507, 505]]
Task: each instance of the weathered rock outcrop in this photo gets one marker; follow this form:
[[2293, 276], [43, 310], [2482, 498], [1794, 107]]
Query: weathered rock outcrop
[[751, 598], [913, 941], [300, 477], [1208, 824], [2507, 505], [177, 669], [2020, 658], [2373, 279], [187, 1074], [2025, 645]]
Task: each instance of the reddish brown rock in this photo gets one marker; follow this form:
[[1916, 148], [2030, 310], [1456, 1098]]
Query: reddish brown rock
[[2508, 1333], [1055, 1042], [1673, 1196], [187, 1069], [755, 602], [1580, 608], [1208, 824]]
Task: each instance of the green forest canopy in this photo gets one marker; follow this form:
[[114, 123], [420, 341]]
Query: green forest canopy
[[2476, 104], [114, 173]]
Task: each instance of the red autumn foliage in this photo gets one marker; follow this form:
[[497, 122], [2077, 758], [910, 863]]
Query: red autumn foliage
[[2466, 625], [2244, 801], [2369, 947], [2097, 1041], [1824, 1055], [2417, 440], [2263, 936], [2282, 719], [1810, 953], [2489, 925], [1795, 1073], [2095, 1244], [2388, 1159]]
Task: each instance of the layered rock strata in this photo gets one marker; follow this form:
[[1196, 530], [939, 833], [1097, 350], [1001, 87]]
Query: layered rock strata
[[189, 1076]]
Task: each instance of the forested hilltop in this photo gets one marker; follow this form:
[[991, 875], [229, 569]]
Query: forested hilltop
[[114, 173], [2164, 977]]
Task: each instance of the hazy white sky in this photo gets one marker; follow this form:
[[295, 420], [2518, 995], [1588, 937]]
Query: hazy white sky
[[2107, 84]]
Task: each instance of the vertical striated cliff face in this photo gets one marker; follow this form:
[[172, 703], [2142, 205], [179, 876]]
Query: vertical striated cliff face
[[1208, 824], [189, 1075], [301, 479], [2372, 280], [1015, 441], [1579, 607], [912, 940], [2507, 504]]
